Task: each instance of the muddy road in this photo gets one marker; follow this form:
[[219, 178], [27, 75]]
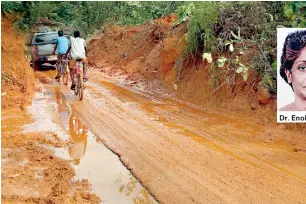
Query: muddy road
[[183, 154]]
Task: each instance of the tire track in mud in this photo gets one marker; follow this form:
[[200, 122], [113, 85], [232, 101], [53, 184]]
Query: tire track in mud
[[168, 110], [284, 170], [181, 154]]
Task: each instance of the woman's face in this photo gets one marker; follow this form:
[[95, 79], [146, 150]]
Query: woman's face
[[297, 76]]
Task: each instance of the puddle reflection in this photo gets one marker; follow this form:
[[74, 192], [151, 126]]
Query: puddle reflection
[[90, 159], [77, 140], [76, 129]]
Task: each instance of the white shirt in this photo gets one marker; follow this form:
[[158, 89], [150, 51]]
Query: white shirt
[[77, 150], [77, 47]]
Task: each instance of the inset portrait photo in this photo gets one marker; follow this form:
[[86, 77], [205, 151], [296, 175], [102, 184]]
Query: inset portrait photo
[[291, 76]]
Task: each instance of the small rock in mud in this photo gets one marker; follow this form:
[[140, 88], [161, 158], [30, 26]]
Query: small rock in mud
[[296, 150], [38, 89], [124, 55], [264, 96], [175, 87], [22, 107]]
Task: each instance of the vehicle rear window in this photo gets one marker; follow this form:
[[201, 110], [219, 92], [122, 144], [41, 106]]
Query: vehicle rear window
[[46, 38]]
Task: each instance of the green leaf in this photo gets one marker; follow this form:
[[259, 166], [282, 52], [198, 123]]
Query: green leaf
[[227, 42], [239, 70], [231, 48], [241, 65], [221, 61], [269, 82], [208, 57], [288, 12], [274, 65], [235, 61], [300, 5], [293, 17]]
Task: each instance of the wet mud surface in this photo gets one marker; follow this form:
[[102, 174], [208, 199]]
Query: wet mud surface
[[47, 148], [176, 151], [217, 154]]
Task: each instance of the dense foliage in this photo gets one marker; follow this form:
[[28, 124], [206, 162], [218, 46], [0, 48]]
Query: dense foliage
[[217, 27], [87, 16], [213, 27]]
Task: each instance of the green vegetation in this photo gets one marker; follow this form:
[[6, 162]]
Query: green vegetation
[[295, 11], [215, 29], [87, 16]]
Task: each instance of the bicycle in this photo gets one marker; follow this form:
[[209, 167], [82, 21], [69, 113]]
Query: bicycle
[[78, 73], [63, 71]]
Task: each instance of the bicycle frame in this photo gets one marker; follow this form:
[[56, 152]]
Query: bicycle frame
[[78, 73], [78, 69], [63, 64], [63, 70]]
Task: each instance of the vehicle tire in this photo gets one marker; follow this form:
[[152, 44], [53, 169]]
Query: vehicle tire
[[36, 66], [53, 67]]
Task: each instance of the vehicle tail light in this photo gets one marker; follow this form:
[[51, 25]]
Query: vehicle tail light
[[35, 51]]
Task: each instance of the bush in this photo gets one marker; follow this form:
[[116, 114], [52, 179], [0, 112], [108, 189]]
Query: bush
[[203, 16], [11, 7], [214, 27], [295, 12], [88, 16]]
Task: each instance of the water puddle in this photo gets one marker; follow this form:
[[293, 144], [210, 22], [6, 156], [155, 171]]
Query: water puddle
[[108, 177]]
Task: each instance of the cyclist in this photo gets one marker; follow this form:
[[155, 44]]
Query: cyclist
[[78, 51], [62, 43]]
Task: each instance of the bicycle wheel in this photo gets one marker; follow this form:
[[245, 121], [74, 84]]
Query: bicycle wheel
[[81, 89], [76, 89], [60, 73], [65, 75]]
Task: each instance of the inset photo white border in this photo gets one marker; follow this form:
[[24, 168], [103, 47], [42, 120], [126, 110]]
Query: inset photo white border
[[287, 111]]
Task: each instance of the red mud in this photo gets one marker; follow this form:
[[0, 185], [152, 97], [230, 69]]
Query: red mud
[[17, 80], [147, 53]]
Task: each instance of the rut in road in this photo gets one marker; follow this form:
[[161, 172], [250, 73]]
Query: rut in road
[[182, 153]]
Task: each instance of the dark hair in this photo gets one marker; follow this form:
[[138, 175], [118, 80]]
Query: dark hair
[[76, 34], [293, 45], [60, 33]]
